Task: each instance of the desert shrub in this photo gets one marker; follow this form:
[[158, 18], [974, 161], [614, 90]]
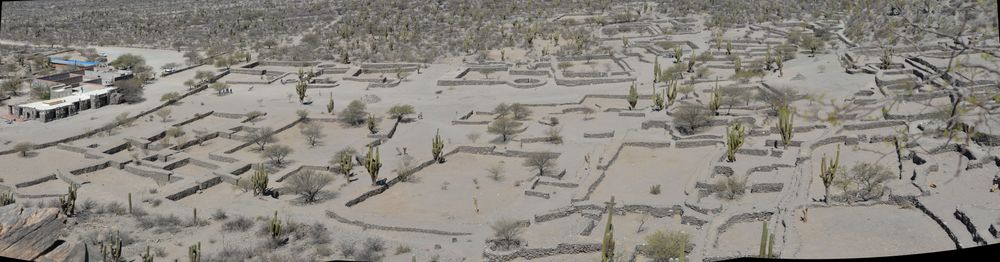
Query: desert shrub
[[690, 118], [371, 250], [507, 233], [504, 126], [654, 189], [160, 223], [542, 161], [662, 246], [354, 114], [731, 187], [554, 133], [237, 224], [496, 171], [276, 153], [519, 111], [24, 148], [870, 180], [219, 215], [347, 248], [308, 184], [402, 249]]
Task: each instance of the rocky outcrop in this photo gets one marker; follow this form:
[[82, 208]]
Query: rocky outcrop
[[30, 233]]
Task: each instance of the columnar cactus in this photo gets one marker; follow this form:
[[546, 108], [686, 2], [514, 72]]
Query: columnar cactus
[[691, 61], [763, 240], [716, 101], [275, 226], [329, 105], [373, 163], [112, 251], [194, 253], [147, 257], [6, 198], [678, 54], [828, 170], [372, 127], [656, 69], [633, 96], [258, 181], [735, 136], [786, 114], [780, 62], [671, 92], [68, 202], [437, 146], [130, 202], [300, 87], [346, 164], [608, 245]]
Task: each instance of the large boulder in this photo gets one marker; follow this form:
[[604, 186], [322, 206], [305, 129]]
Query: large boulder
[[29, 233]]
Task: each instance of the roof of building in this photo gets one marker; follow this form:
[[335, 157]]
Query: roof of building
[[71, 62], [65, 101]]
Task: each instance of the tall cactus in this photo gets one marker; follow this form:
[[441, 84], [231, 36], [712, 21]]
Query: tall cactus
[[828, 170], [691, 61], [671, 92], [608, 245], [275, 226], [786, 114], [112, 251], [258, 180], [678, 54], [373, 163], [147, 257], [656, 69], [633, 96], [372, 126], [346, 164], [6, 198], [330, 104], [735, 136], [716, 101], [68, 202], [130, 202], [763, 240], [300, 87], [194, 253], [437, 146]]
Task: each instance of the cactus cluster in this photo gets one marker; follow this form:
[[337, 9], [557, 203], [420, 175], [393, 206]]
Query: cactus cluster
[[258, 181], [346, 164], [300, 87], [828, 170], [437, 146], [735, 136], [275, 226], [658, 99], [671, 92], [147, 257], [6, 198], [608, 245], [716, 101], [372, 127], [112, 251], [786, 115], [68, 202], [766, 242], [194, 252], [678, 54], [885, 61], [373, 163]]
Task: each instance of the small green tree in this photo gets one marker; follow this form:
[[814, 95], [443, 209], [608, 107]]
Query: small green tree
[[542, 161], [399, 111], [23, 148]]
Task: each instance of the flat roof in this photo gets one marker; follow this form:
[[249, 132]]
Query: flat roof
[[65, 101], [71, 62]]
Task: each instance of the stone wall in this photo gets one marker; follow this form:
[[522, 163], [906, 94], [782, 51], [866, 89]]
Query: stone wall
[[599, 134], [364, 225], [698, 143], [161, 176], [529, 254]]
